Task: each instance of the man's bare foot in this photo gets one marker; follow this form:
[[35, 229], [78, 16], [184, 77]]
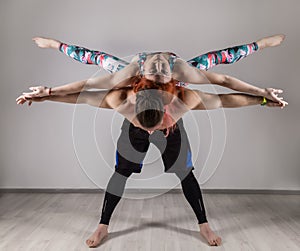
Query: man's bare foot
[[270, 41], [96, 238], [209, 235]]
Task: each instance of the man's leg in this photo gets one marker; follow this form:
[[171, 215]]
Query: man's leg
[[177, 158], [113, 195], [114, 192], [192, 193], [132, 147]]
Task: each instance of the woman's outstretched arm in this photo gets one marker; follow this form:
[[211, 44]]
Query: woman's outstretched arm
[[186, 73], [83, 55], [115, 80]]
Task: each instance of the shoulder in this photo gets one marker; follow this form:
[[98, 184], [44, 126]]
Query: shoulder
[[116, 97], [191, 98]]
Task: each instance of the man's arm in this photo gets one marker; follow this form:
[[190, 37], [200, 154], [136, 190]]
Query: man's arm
[[110, 99], [197, 100]]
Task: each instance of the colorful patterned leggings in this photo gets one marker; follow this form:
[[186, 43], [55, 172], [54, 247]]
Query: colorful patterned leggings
[[113, 64]]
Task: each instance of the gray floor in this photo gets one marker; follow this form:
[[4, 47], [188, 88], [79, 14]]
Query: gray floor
[[41, 221]]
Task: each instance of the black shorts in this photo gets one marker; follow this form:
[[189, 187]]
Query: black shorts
[[134, 142]]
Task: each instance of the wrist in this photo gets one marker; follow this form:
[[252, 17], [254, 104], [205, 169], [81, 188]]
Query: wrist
[[261, 92], [49, 91]]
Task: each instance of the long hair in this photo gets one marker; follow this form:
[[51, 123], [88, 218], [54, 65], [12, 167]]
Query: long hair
[[150, 108]]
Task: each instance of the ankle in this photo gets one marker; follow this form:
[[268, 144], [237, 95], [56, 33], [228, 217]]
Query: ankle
[[204, 225], [102, 227], [261, 43]]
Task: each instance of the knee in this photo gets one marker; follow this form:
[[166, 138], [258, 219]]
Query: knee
[[185, 177], [125, 173]]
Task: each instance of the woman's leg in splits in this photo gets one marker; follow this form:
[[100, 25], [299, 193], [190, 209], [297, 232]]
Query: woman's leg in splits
[[108, 62], [205, 61], [132, 147], [83, 55], [233, 54], [225, 56]]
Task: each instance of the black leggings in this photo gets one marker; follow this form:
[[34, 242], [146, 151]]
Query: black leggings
[[116, 186]]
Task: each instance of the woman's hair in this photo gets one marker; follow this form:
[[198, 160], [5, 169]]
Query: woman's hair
[[150, 99]]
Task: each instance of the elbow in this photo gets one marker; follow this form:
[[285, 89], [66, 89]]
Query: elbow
[[225, 80], [221, 79], [224, 101]]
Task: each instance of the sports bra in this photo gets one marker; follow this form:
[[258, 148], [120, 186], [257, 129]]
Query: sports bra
[[142, 56]]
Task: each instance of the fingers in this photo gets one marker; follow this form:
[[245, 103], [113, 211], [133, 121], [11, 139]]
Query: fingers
[[277, 91], [34, 92], [277, 104], [274, 91], [276, 98], [21, 101], [274, 95], [34, 88], [29, 94]]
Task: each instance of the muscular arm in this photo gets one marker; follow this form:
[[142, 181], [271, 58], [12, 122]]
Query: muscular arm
[[110, 99], [197, 100], [117, 99]]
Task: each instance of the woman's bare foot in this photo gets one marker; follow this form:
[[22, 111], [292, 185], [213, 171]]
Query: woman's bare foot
[[209, 235], [270, 41], [96, 238], [43, 42]]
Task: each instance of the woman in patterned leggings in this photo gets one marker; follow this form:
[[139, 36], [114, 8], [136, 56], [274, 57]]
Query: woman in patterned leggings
[[189, 183]]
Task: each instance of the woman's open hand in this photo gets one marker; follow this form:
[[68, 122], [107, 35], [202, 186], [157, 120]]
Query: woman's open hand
[[37, 91]]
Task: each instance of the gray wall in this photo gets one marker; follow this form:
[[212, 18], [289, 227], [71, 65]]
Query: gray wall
[[53, 145]]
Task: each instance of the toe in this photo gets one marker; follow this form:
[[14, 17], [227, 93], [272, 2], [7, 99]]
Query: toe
[[211, 242]]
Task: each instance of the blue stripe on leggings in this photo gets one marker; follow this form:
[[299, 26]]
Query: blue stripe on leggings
[[189, 162], [117, 159]]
